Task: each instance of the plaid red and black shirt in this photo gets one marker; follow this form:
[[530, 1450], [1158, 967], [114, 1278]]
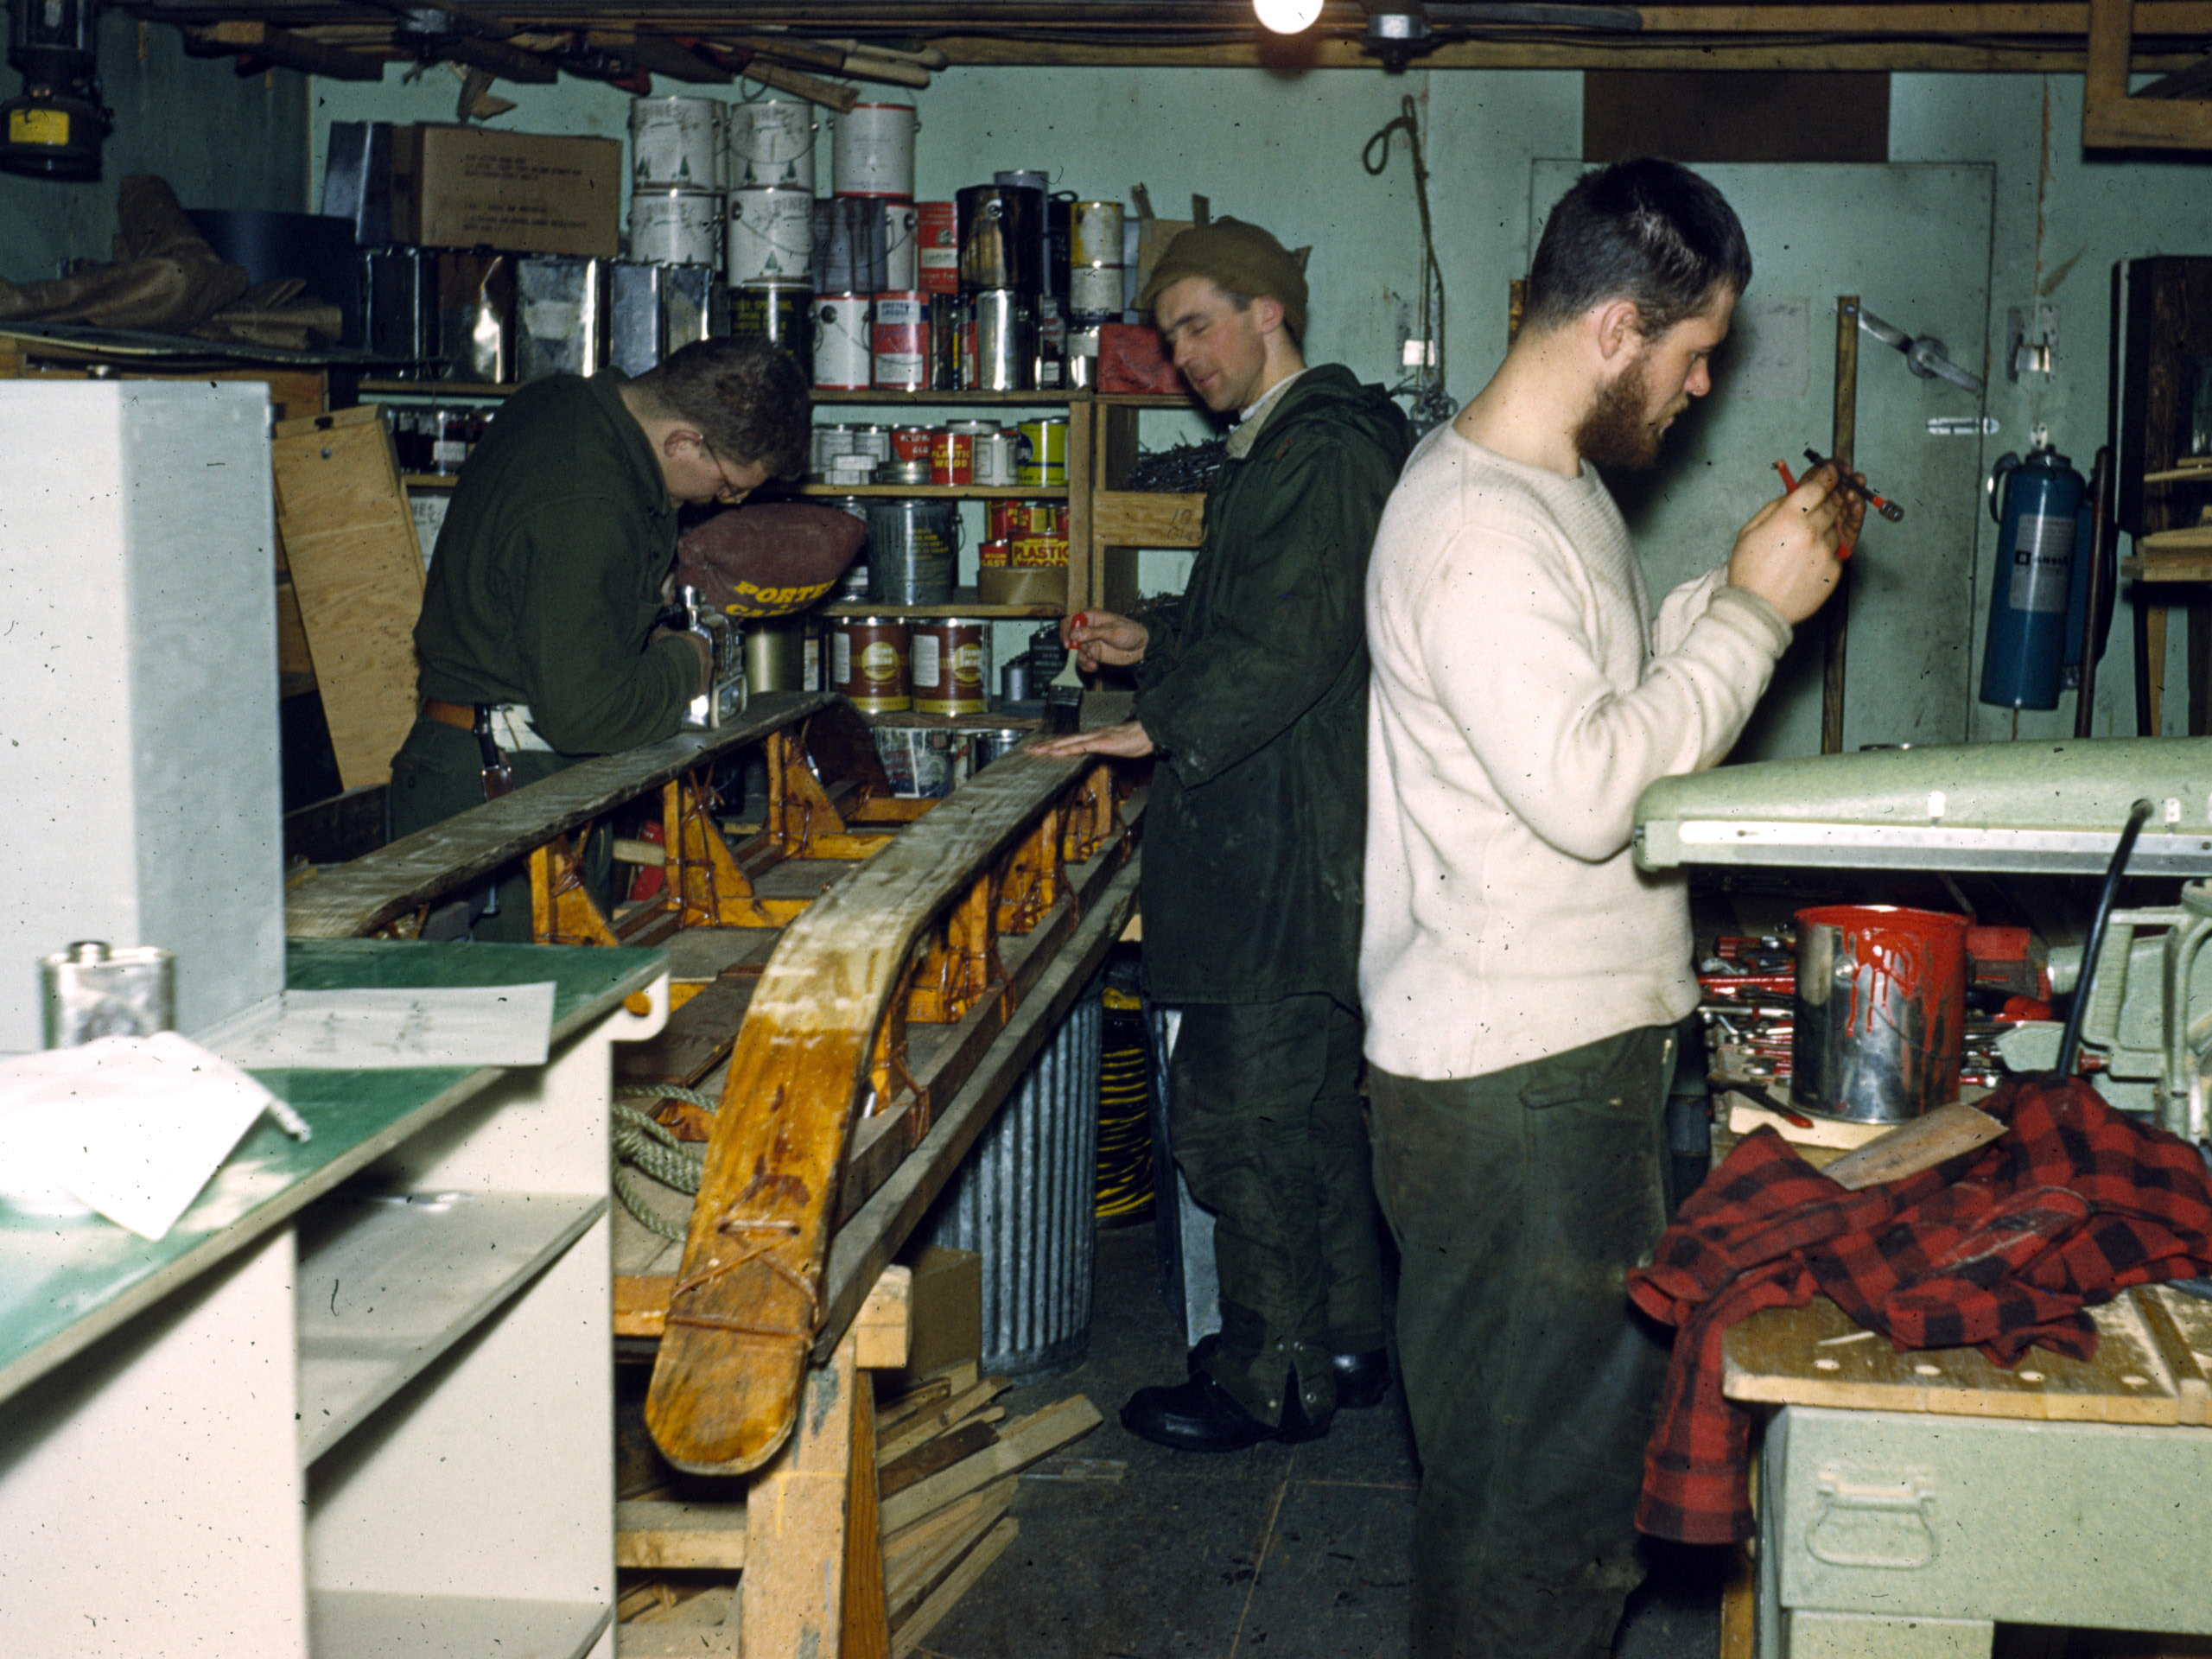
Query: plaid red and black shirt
[[2000, 1249]]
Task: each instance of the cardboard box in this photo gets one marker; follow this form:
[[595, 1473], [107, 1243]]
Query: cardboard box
[[518, 192], [948, 1310]]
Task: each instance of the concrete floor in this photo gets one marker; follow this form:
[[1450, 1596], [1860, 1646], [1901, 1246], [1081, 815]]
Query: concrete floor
[[1130, 1551]]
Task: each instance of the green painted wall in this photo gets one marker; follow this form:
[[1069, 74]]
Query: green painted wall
[[220, 141], [1285, 150]]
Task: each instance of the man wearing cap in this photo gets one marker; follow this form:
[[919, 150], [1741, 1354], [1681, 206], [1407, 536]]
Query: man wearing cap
[[1251, 694], [1521, 977], [536, 638]]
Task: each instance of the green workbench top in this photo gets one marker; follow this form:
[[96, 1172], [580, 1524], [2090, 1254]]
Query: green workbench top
[[66, 1281]]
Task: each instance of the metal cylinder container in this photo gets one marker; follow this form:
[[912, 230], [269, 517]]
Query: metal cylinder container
[[1023, 1201], [1880, 1011], [914, 543], [1001, 238], [998, 341]]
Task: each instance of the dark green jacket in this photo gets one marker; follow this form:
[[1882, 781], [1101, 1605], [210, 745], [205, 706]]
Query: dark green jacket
[[1254, 687], [548, 573]]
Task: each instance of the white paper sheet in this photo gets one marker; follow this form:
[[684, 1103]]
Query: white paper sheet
[[370, 1030], [131, 1127]]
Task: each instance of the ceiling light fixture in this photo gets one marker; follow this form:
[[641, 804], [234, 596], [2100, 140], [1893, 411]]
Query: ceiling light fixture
[[1288, 17]]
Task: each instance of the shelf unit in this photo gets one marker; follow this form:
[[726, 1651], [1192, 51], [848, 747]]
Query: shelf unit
[[356, 1402], [1124, 522]]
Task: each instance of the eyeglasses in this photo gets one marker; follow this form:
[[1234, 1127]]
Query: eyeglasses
[[747, 478]]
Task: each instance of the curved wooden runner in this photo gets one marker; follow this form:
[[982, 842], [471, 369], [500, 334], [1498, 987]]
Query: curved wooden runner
[[912, 937]]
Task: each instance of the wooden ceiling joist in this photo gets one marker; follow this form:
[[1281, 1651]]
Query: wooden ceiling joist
[[2177, 117]]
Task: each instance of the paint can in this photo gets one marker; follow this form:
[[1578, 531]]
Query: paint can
[[775, 653], [849, 245], [1880, 1012], [1095, 234], [782, 315], [952, 458], [937, 241], [561, 315], [1040, 186], [911, 443], [1037, 550], [1001, 238], [771, 237], [994, 554], [901, 255], [676, 227], [901, 341], [949, 664], [842, 357], [997, 455], [913, 545], [677, 143], [1096, 293], [770, 145], [999, 741], [867, 663], [998, 341], [873, 151], [1044, 460]]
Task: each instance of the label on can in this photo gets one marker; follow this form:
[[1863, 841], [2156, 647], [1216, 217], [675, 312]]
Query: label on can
[[1037, 550], [952, 458], [1094, 291], [911, 442], [1044, 463], [842, 355], [994, 555]]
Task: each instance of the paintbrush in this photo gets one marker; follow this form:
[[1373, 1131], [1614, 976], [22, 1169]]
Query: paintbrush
[[1064, 692]]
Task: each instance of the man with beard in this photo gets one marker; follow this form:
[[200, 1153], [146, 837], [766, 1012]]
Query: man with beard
[[1521, 977]]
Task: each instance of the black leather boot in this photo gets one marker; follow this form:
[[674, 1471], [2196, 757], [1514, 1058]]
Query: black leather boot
[[1362, 1379], [1200, 1415]]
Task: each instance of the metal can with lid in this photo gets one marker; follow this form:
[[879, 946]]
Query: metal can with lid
[[867, 663], [949, 664]]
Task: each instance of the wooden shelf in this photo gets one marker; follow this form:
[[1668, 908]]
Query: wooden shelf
[[437, 387], [963, 604], [1142, 519], [429, 481], [895, 399], [943, 491]]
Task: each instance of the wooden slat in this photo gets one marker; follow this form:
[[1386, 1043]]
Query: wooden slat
[[947, 1595], [652, 1534], [918, 1427], [286, 49], [1129, 519], [2110, 117], [1017, 1445], [349, 542], [913, 1554], [393, 882]]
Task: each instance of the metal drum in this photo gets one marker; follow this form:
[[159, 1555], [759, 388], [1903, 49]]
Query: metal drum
[[770, 145], [1023, 1200], [399, 305], [677, 143], [562, 308], [844, 350], [1001, 238], [771, 237], [873, 151], [1880, 1014], [676, 227], [912, 546]]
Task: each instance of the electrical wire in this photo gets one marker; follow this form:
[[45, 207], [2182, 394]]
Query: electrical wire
[[1432, 406], [2069, 1041]]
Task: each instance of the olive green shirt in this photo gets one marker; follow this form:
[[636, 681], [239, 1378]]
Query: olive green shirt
[[548, 573], [1253, 688]]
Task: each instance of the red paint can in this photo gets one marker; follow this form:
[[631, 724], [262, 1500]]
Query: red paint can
[[902, 340], [952, 458], [1880, 1019]]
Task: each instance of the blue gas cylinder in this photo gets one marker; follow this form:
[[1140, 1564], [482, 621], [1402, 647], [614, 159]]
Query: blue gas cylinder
[[2029, 605]]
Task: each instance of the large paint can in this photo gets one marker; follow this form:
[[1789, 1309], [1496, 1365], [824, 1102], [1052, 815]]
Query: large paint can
[[1001, 238], [771, 237], [1881, 1014], [677, 143], [770, 145], [476, 315], [1043, 462], [901, 340], [998, 341], [937, 241], [949, 664], [782, 315], [913, 545], [868, 662], [1096, 293], [1095, 233], [873, 151], [848, 253], [844, 350], [676, 227], [997, 458], [901, 257], [561, 315], [775, 653]]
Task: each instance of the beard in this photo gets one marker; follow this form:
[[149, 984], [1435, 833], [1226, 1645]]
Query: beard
[[1617, 431]]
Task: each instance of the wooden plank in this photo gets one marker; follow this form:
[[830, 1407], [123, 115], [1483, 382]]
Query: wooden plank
[[1815, 1355], [725, 1386], [866, 1625], [920, 1572], [286, 49], [947, 1595], [909, 1553], [349, 541], [918, 1428], [937, 1455], [395, 881], [674, 1642], [654, 1534], [1131, 518], [792, 1596], [1017, 1445], [696, 1038], [1908, 1149], [2113, 119]]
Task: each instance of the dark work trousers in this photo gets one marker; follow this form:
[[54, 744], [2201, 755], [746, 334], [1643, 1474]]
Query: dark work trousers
[[439, 774], [1264, 1098], [1520, 1200]]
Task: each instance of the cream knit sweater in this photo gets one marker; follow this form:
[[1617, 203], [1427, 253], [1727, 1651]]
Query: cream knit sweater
[[1522, 698]]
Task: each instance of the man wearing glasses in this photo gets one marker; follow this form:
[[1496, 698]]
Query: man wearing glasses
[[537, 633]]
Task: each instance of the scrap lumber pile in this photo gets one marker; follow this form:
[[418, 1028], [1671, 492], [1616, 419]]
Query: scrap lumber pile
[[948, 1459]]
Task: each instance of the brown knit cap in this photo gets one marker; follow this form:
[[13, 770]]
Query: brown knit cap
[[1241, 257]]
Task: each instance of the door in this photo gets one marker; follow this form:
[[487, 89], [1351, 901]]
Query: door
[[1913, 244]]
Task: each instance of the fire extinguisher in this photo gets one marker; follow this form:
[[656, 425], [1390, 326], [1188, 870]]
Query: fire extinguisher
[[2034, 606]]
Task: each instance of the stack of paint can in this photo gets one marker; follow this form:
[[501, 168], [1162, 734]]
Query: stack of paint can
[[770, 247], [676, 180], [1000, 229], [668, 292], [1049, 356], [1097, 278], [864, 256]]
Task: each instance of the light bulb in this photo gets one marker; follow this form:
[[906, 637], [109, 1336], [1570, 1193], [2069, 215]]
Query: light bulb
[[1288, 17]]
